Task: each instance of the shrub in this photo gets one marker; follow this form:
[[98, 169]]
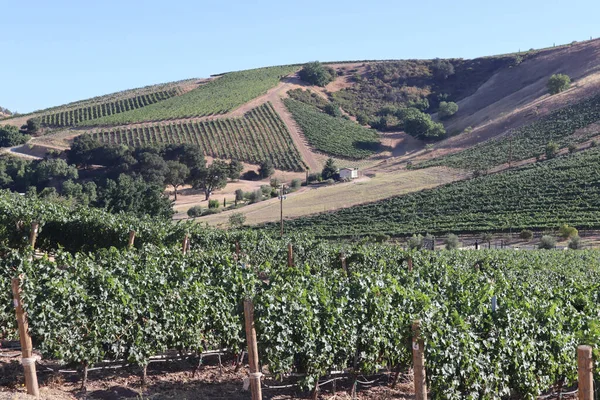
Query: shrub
[[34, 125], [194, 212], [415, 242], [266, 189], [442, 69], [551, 150], [547, 242], [572, 148], [526, 234], [255, 196], [10, 136], [236, 220], [575, 243], [452, 242], [211, 211], [314, 177], [447, 109], [214, 203], [333, 110], [275, 183], [567, 231], [316, 73], [266, 169], [593, 143], [329, 181], [296, 183], [239, 195], [558, 83]]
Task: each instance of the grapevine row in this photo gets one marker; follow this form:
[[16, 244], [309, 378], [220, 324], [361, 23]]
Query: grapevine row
[[94, 111], [259, 135]]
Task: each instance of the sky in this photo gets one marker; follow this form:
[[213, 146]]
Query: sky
[[55, 52]]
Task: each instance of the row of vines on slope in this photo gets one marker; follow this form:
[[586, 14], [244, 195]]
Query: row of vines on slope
[[94, 111], [218, 96], [530, 140], [259, 135], [317, 317], [539, 196]]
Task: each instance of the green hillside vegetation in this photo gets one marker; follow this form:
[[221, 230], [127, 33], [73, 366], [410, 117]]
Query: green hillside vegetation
[[422, 84], [545, 195], [530, 140], [333, 135], [260, 135], [218, 96], [98, 110]]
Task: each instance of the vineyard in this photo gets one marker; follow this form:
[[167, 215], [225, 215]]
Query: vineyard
[[528, 141], [495, 324], [539, 196], [94, 111], [259, 135], [332, 135], [218, 96]]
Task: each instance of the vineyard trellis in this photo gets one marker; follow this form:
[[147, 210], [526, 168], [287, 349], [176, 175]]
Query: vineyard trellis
[[259, 135]]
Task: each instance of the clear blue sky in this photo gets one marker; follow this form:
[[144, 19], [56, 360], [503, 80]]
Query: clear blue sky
[[54, 52]]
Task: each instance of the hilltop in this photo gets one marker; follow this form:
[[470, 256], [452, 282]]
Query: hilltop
[[384, 117]]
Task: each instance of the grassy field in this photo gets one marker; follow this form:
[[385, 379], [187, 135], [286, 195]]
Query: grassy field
[[540, 196], [331, 135], [215, 97], [327, 198]]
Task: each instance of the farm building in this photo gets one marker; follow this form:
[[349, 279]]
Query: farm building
[[348, 173]]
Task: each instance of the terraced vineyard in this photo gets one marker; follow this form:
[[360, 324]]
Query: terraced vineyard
[[331, 135], [530, 140], [215, 97], [540, 196], [74, 116], [258, 136]]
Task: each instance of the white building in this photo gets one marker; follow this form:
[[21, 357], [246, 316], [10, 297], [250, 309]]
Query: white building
[[348, 173]]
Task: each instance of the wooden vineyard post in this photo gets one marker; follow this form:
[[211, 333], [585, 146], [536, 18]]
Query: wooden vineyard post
[[410, 264], [237, 251], [290, 256], [255, 374], [419, 362], [343, 261], [35, 226], [131, 239], [26, 347], [585, 375], [185, 244]]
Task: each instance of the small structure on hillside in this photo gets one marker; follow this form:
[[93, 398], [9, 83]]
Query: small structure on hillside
[[348, 173]]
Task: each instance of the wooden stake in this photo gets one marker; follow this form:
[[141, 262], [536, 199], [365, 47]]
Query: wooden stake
[[290, 256], [419, 362], [186, 244], [343, 260], [252, 350], [33, 234], [410, 264], [131, 239], [237, 251], [26, 348], [584, 372]]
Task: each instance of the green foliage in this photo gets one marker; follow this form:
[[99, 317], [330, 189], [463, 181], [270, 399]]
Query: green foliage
[[236, 220], [34, 125], [330, 170], [447, 109], [239, 195], [539, 196], [214, 203], [335, 136], [10, 136], [211, 178], [572, 148], [266, 169], [194, 212], [527, 141], [415, 242], [526, 234], [309, 97], [260, 134], [420, 125], [442, 69], [275, 183], [296, 184], [177, 174], [547, 242], [558, 83], [575, 243], [566, 231], [218, 96], [452, 242], [316, 73], [235, 170], [551, 150]]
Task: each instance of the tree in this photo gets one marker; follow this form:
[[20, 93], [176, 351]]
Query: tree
[[236, 220], [567, 231], [415, 242], [547, 242], [82, 151], [211, 178], [239, 195], [34, 125], [447, 109], [330, 170], [51, 172], [152, 167], [266, 169], [575, 243], [558, 83], [235, 170], [452, 242], [442, 69], [316, 73], [420, 125], [526, 234], [194, 212], [333, 110], [10, 136], [551, 150], [177, 175]]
